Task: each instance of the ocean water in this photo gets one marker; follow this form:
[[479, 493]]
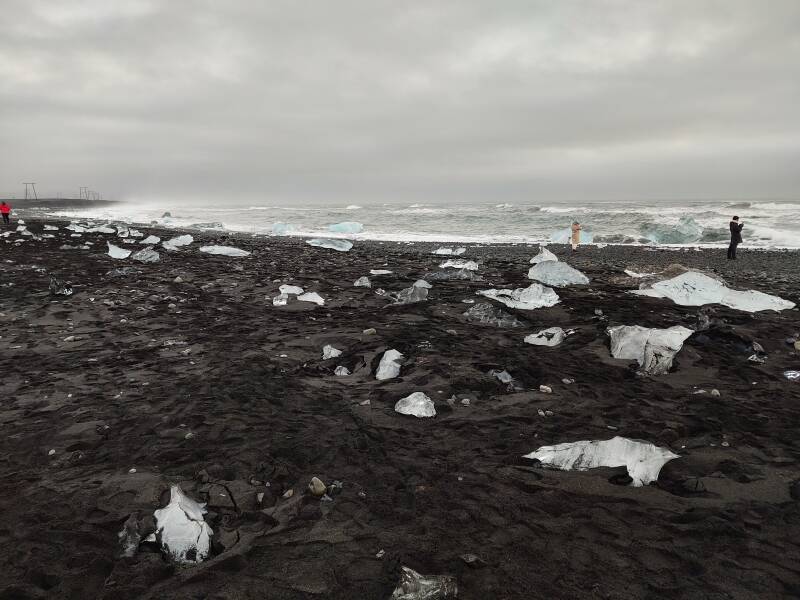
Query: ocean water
[[774, 224]]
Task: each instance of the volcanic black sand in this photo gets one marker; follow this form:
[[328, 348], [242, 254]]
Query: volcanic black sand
[[114, 377]]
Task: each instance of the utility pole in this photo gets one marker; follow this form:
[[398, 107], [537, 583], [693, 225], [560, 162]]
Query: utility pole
[[33, 187]]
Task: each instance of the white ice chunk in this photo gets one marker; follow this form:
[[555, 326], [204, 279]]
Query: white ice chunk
[[290, 289], [150, 239], [282, 228], [450, 251], [534, 296], [101, 229], [557, 273], [544, 256], [311, 297], [642, 459], [413, 586], [630, 273], [329, 351], [363, 282], [421, 283], [224, 251], [379, 272], [389, 367], [117, 252], [338, 245], [75, 227], [552, 336], [184, 534], [459, 263], [695, 289], [346, 227], [410, 295], [653, 349], [417, 404], [50, 228], [176, 242], [341, 371], [148, 255]]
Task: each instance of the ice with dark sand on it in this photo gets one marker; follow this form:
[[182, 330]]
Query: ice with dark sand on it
[[184, 372]]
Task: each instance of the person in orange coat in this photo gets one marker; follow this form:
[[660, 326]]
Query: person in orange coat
[[576, 235], [5, 210]]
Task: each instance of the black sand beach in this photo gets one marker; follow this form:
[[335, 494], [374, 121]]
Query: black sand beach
[[116, 377]]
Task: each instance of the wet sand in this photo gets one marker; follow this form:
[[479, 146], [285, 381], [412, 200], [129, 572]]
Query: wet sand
[[117, 375]]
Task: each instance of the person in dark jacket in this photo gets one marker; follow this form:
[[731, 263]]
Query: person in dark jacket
[[736, 237]]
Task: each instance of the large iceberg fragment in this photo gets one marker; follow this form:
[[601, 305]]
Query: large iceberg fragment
[[177, 242], [417, 404], [414, 586], [450, 251], [101, 229], [486, 314], [543, 256], [282, 228], [181, 529], [695, 289], [363, 282], [346, 227], [117, 252], [389, 367], [224, 250], [338, 245], [552, 336], [460, 263], [653, 349], [556, 273], [148, 255], [534, 296], [642, 459]]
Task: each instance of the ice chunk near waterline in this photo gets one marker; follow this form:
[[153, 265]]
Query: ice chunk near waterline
[[224, 251], [458, 263], [346, 227], [564, 236], [329, 351], [642, 459], [362, 282], [282, 228], [544, 256], [556, 273], [414, 586], [117, 252], [534, 296], [552, 336], [184, 534], [311, 297], [486, 314], [338, 245], [389, 367], [177, 242], [417, 404], [695, 289], [150, 240], [450, 251], [653, 349], [148, 255]]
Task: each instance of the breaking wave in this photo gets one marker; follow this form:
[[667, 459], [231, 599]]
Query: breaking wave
[[686, 231]]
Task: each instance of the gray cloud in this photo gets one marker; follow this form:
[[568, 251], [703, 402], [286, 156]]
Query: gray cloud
[[454, 100]]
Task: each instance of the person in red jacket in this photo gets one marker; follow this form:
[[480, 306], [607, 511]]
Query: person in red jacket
[[5, 210]]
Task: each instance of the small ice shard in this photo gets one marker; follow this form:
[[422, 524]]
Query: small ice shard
[[150, 239], [653, 349], [117, 252], [534, 296], [379, 272], [636, 275], [129, 536], [642, 459], [552, 336], [282, 228], [450, 251], [135, 233], [148, 255], [557, 274], [50, 228], [285, 291], [346, 227], [341, 371], [21, 228], [792, 375], [58, 288], [411, 295], [459, 263], [502, 376], [123, 231], [224, 251], [363, 282], [101, 229], [338, 245], [414, 586], [311, 297], [181, 529], [695, 289], [543, 256], [389, 367], [329, 351], [177, 242], [487, 314], [417, 404]]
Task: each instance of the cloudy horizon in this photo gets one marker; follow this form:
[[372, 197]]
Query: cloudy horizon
[[386, 102]]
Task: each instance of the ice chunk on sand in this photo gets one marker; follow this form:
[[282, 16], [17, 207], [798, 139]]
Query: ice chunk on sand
[[642, 459], [636, 275], [544, 256], [379, 272], [417, 404], [485, 313], [556, 273], [329, 351], [101, 229], [421, 283], [129, 537], [695, 289], [285, 291], [415, 293], [653, 349], [59, 288], [311, 297], [282, 228], [177, 242], [450, 251], [338, 245], [75, 227], [148, 255], [552, 336], [224, 250], [50, 228], [389, 367], [534, 296], [346, 227], [184, 534], [414, 586], [150, 239], [362, 282], [290, 289], [459, 263], [341, 371], [117, 252]]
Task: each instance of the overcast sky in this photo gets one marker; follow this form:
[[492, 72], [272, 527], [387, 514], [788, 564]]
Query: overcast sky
[[516, 100]]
